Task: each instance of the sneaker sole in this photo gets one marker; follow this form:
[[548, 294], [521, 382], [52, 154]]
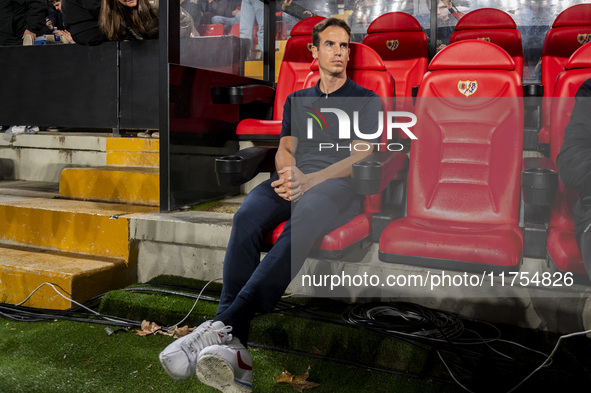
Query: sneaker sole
[[214, 371]]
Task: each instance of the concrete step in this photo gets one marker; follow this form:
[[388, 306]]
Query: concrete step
[[39, 189], [119, 184], [77, 277], [90, 228], [193, 244], [142, 152], [42, 156]]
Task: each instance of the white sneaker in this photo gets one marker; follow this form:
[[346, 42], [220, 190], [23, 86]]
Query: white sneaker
[[179, 359], [18, 129], [227, 368]]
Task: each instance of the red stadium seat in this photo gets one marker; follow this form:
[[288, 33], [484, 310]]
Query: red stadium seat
[[211, 30], [235, 30], [563, 250], [399, 39], [295, 67], [492, 25], [366, 68], [464, 177], [570, 30]]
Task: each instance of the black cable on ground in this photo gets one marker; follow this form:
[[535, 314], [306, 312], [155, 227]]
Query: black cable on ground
[[347, 362], [430, 329]]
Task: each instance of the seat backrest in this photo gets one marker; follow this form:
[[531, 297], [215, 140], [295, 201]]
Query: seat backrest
[[570, 30], [295, 65], [492, 25], [577, 70], [465, 165], [402, 44]]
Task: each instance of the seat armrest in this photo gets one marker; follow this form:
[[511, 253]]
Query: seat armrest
[[242, 94], [242, 166], [539, 181], [532, 100], [533, 90], [373, 174]]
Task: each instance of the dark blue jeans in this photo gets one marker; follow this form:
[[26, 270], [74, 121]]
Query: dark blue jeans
[[262, 283]]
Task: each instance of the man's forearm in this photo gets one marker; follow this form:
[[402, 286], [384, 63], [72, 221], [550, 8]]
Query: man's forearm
[[284, 157], [342, 168]]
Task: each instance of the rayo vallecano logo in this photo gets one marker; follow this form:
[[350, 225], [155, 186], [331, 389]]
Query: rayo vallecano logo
[[467, 88], [487, 39], [392, 44], [393, 120], [584, 38]]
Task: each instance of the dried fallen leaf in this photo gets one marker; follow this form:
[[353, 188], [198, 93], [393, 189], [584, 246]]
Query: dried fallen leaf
[[177, 332], [298, 382], [302, 377], [285, 376], [299, 387], [148, 328]]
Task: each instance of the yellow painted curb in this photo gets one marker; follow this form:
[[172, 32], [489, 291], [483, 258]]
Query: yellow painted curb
[[141, 159], [91, 228], [143, 152], [140, 186], [146, 145], [254, 68], [76, 277]]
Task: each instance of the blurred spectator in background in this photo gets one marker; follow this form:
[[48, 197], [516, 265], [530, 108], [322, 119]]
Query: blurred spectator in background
[[212, 8], [187, 27], [252, 11], [364, 12], [54, 23], [447, 18], [128, 19], [21, 21], [81, 20], [231, 17]]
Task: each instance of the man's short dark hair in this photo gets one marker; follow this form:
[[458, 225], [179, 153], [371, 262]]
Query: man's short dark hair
[[323, 25]]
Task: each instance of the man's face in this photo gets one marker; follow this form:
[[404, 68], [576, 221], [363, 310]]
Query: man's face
[[333, 50], [443, 10], [58, 5]]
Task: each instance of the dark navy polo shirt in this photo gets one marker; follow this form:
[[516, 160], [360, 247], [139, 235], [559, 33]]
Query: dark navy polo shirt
[[321, 135]]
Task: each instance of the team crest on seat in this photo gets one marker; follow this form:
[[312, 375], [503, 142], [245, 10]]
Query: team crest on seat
[[487, 39], [467, 88], [584, 38], [392, 44]]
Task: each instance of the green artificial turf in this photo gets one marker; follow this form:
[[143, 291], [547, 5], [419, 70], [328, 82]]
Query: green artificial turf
[[65, 356]]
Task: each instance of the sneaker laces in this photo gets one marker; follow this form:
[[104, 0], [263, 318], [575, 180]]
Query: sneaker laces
[[208, 336]]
